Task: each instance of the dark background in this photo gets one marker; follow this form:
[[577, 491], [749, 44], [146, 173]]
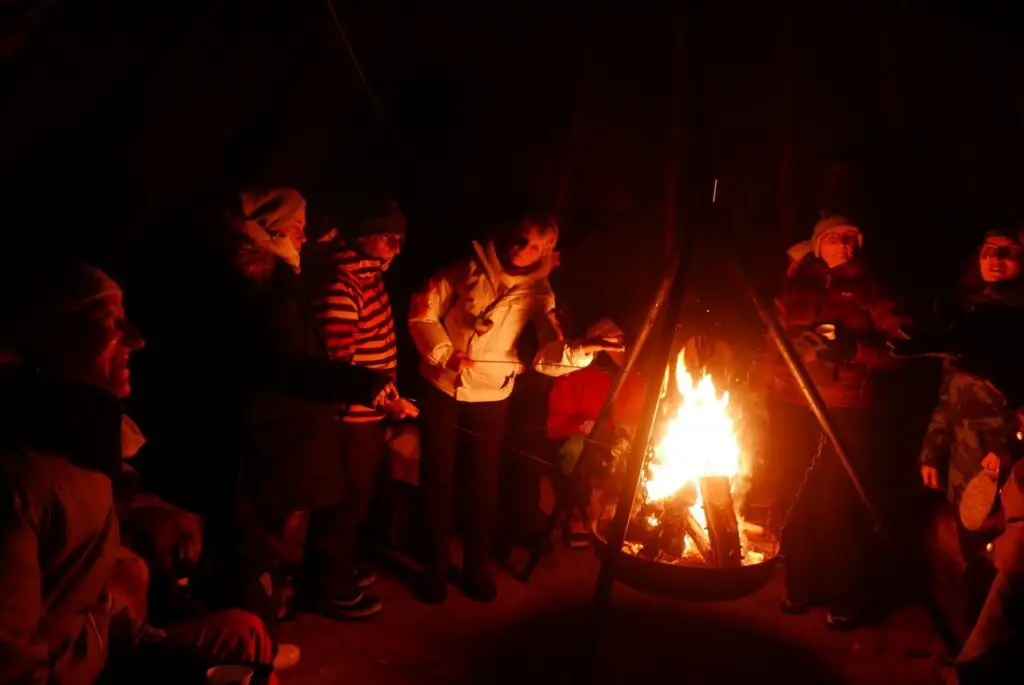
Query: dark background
[[117, 115]]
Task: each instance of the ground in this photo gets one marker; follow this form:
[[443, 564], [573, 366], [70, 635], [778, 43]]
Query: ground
[[531, 635]]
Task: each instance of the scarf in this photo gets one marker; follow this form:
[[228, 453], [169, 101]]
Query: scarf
[[264, 213], [506, 284]]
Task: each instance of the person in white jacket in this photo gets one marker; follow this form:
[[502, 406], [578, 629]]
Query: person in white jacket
[[466, 324]]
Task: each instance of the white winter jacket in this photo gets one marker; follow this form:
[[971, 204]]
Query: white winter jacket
[[477, 308]]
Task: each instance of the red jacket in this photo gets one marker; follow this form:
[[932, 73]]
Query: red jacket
[[579, 396], [851, 298]]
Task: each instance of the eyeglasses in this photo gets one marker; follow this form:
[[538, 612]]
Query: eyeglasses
[[1001, 252], [838, 238]]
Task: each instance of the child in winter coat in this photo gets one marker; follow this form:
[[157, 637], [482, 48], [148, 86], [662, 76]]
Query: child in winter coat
[[466, 324]]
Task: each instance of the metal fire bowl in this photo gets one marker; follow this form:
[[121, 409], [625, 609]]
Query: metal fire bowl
[[688, 583]]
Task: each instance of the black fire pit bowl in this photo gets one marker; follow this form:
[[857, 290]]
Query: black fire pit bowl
[[688, 583]]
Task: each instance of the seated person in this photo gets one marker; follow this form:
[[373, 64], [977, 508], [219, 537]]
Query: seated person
[[67, 588], [161, 546], [992, 650], [169, 539], [182, 650], [573, 406]]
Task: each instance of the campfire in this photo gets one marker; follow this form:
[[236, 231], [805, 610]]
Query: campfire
[[688, 508]]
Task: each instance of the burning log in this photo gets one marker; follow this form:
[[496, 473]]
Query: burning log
[[685, 513], [680, 524], [723, 528], [670, 538], [696, 533]]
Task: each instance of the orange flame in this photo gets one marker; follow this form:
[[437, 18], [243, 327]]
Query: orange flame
[[699, 440]]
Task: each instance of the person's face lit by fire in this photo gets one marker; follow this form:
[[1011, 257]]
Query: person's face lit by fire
[[295, 230], [382, 246], [999, 259], [839, 247], [99, 342], [529, 243]]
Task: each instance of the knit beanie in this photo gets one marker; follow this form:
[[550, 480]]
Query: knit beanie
[[36, 300], [373, 217], [825, 226]]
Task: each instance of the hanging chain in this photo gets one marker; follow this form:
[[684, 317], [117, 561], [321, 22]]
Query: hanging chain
[[803, 483]]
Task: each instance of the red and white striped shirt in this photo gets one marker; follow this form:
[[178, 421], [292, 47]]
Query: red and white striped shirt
[[354, 313]]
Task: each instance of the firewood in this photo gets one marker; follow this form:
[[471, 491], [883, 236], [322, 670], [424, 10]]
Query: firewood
[[696, 533], [752, 529], [671, 538], [723, 528]]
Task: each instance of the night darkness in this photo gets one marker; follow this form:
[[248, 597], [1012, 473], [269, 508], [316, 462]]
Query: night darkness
[[118, 116], [121, 119]]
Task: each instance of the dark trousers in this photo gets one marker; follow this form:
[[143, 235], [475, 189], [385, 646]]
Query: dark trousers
[[244, 556], [978, 572], [827, 537], [246, 543], [991, 653], [520, 515], [470, 473], [190, 647], [330, 561], [574, 488]]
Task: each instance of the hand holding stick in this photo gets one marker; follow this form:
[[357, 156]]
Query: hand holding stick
[[595, 345], [459, 362], [390, 402]]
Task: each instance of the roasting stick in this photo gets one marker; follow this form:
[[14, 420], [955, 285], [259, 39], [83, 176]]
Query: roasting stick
[[516, 450], [513, 363], [553, 364]]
